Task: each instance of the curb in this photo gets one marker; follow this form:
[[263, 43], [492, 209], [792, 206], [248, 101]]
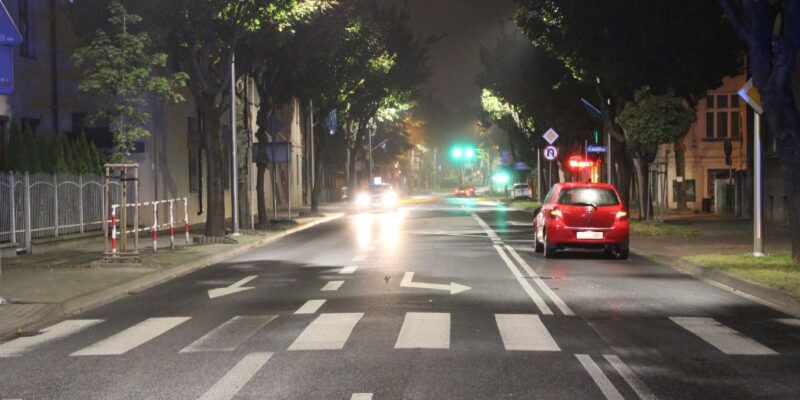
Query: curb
[[91, 300], [768, 296]]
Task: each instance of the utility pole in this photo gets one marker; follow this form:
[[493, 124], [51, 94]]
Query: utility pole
[[234, 146], [758, 237], [370, 132], [311, 147]]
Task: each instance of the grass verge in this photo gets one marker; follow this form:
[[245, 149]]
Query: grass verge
[[524, 204], [776, 270], [640, 228]]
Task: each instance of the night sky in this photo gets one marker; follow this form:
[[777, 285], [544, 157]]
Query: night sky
[[466, 25]]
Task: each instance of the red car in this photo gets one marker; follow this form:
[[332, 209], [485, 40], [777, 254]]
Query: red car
[[582, 215], [464, 191]]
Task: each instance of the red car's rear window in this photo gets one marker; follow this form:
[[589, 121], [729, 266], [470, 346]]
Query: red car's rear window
[[598, 197]]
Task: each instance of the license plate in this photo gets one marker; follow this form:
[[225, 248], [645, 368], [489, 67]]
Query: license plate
[[590, 235]]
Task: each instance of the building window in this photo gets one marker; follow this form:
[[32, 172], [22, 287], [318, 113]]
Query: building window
[[723, 116], [27, 28]]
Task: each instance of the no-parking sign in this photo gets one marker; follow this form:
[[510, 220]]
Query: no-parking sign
[[550, 153]]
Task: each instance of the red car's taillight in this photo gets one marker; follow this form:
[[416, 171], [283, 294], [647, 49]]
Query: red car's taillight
[[622, 215], [556, 214]]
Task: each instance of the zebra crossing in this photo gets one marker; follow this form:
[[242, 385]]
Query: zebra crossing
[[332, 331]]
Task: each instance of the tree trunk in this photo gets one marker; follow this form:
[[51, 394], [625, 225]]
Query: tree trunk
[[680, 171], [624, 173], [215, 168], [642, 183], [790, 157]]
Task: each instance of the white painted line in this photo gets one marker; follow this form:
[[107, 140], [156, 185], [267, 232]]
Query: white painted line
[[230, 335], [361, 396], [359, 258], [539, 282], [424, 331], [332, 286], [630, 377], [600, 379], [132, 337], [543, 307], [237, 377], [453, 288], [60, 330], [524, 332], [233, 288], [310, 307], [790, 321], [348, 270], [327, 332], [723, 338], [486, 228]]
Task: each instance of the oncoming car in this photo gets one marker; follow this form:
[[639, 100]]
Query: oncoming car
[[377, 198], [582, 215], [464, 191]]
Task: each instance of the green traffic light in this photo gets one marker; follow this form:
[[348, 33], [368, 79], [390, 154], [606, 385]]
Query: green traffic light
[[469, 153], [501, 178], [457, 153]]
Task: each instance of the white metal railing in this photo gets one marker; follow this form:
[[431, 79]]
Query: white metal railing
[[162, 219], [38, 205]]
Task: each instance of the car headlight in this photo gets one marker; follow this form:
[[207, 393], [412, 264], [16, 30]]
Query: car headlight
[[362, 200], [389, 199]]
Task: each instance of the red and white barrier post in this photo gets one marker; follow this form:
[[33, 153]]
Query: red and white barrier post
[[186, 217], [171, 227], [114, 228], [155, 227]]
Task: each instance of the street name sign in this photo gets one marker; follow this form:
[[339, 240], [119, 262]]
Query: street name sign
[[749, 93], [550, 153], [550, 136], [597, 149]]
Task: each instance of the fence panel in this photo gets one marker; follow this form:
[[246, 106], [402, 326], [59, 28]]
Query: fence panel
[[59, 204]]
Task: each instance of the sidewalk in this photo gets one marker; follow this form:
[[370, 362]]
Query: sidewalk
[[47, 286], [720, 251]]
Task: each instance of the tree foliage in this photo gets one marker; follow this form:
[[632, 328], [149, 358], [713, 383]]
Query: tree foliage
[[655, 119], [121, 66]]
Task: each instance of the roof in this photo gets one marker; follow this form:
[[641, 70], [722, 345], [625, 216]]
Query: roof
[[586, 184]]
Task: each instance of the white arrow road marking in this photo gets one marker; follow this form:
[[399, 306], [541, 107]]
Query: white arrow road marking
[[453, 288], [234, 288]]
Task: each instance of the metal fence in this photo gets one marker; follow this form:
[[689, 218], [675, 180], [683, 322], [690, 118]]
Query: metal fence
[[41, 205]]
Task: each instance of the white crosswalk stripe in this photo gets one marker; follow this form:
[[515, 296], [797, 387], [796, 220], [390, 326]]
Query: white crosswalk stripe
[[524, 332], [230, 384], [424, 331], [332, 286], [230, 335], [60, 330], [132, 337], [327, 332], [790, 321], [310, 307], [348, 270], [725, 339], [361, 396]]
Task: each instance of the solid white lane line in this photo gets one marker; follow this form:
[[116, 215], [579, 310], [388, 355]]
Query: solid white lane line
[[231, 334], [486, 228], [332, 286], [310, 307], [725, 339], [327, 332], [237, 377], [599, 378], [132, 337], [524, 332], [790, 321], [424, 331], [539, 282], [630, 377], [60, 330], [543, 307], [361, 396], [360, 258], [348, 270]]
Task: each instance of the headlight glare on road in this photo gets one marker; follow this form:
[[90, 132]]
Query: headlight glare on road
[[362, 200], [389, 199]]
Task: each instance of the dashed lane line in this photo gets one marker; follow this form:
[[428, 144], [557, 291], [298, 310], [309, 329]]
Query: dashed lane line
[[630, 377], [540, 303], [332, 286], [310, 307], [599, 377], [539, 282], [233, 381]]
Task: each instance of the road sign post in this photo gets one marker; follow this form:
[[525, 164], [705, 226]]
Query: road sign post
[[749, 93]]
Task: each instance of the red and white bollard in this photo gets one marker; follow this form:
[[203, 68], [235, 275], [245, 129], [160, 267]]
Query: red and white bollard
[[114, 229], [186, 217], [171, 227], [155, 227]]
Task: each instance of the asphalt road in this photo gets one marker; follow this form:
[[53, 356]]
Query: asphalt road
[[437, 301]]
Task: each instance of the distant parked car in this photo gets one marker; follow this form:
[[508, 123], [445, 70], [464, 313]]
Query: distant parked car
[[464, 191], [521, 191], [582, 215]]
